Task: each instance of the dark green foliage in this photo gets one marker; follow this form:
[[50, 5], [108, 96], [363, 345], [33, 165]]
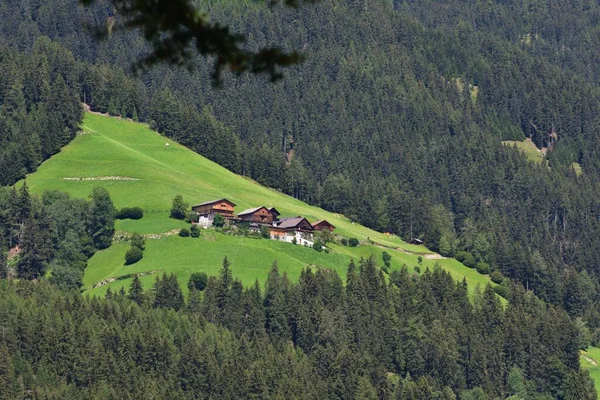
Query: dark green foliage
[[66, 277], [344, 242], [353, 242], [130, 213], [264, 232], [37, 249], [218, 221], [318, 246], [198, 281], [167, 293], [194, 231], [138, 241], [136, 291], [387, 259], [483, 267], [184, 232], [502, 291], [133, 255], [497, 277], [179, 208], [466, 258], [101, 226], [175, 27]]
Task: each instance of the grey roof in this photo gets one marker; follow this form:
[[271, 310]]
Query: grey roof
[[287, 223], [251, 210], [213, 202], [273, 210]]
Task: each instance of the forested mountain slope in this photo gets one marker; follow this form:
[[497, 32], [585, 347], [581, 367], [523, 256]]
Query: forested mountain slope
[[395, 119]]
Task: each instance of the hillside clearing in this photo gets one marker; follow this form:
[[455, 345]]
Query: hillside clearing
[[119, 148]]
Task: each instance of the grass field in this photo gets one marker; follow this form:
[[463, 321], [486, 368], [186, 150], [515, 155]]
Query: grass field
[[150, 173], [528, 148], [590, 361]]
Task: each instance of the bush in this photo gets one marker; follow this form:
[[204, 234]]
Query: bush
[[264, 232], [417, 269], [184, 232], [191, 217], [198, 281], [130, 213], [194, 231], [497, 277], [133, 255], [466, 258], [483, 268], [138, 241], [318, 246], [353, 242], [344, 242], [219, 221], [178, 208], [502, 291]]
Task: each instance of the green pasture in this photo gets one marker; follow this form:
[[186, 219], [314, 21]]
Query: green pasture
[[147, 170], [590, 361]]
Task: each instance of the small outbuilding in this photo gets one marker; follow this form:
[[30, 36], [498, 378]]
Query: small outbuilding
[[323, 225]]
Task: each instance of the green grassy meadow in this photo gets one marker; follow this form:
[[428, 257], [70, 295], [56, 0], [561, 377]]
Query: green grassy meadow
[[155, 172], [528, 148], [590, 361]]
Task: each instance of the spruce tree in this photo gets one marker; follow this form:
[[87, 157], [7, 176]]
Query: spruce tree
[[136, 291], [101, 225]]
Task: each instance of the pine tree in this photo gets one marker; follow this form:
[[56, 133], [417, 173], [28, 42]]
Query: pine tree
[[136, 291], [37, 248], [101, 225]]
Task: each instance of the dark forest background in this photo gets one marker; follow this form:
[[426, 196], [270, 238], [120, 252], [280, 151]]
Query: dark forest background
[[395, 119]]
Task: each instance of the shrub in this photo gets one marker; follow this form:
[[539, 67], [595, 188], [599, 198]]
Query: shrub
[[353, 242], [497, 277], [417, 269], [318, 246], [387, 259], [130, 213], [294, 241], [264, 232], [194, 231], [133, 255], [184, 232], [466, 258], [178, 208], [344, 242], [502, 291], [198, 281], [191, 216], [219, 221], [138, 241], [483, 268]]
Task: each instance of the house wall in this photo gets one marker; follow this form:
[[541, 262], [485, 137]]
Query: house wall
[[262, 216]]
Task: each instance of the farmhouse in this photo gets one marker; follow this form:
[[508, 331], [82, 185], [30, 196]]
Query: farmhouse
[[207, 211], [261, 215], [323, 225], [293, 230]]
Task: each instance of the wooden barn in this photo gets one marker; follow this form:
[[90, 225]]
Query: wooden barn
[[260, 215], [207, 211], [323, 225]]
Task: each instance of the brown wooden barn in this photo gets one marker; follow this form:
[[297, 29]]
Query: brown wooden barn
[[207, 211], [261, 215], [323, 225]]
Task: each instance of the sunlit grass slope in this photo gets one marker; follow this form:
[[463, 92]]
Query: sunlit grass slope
[[528, 148], [590, 361], [150, 173]]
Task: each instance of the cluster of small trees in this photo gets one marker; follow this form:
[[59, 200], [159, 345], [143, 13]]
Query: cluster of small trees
[[53, 232]]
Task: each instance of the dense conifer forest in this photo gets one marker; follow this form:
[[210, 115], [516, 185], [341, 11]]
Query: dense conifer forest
[[409, 338], [395, 119]]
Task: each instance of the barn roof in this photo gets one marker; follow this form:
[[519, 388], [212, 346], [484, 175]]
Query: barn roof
[[206, 203], [289, 223], [251, 210], [323, 221], [274, 211]]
